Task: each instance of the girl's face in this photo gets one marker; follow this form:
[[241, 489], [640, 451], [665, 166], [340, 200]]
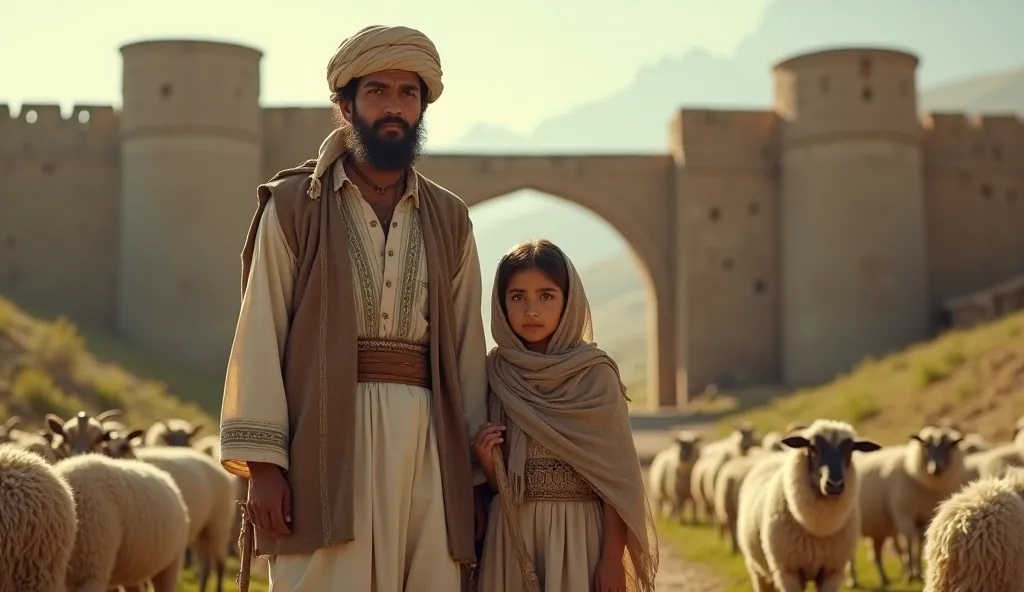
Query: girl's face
[[534, 304]]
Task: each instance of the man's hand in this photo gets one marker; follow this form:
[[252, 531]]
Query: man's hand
[[270, 499]]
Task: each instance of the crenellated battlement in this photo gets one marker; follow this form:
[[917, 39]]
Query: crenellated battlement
[[964, 140], [725, 139], [43, 128]]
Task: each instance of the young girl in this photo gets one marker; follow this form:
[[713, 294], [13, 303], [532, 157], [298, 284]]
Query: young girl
[[572, 465]]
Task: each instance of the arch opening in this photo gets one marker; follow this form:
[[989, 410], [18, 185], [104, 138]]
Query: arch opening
[[622, 297]]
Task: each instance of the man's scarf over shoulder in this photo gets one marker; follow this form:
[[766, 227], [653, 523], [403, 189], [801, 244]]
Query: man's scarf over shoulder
[[572, 401]]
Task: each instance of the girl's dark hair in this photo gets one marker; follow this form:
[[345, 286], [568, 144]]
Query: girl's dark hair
[[539, 254]]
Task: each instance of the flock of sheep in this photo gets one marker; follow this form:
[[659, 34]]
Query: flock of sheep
[[87, 505], [797, 503]]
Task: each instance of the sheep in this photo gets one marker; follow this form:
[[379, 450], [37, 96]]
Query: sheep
[[900, 488], [995, 461], [209, 445], [172, 432], [209, 494], [38, 522], [80, 435], [669, 480], [713, 455], [976, 539], [132, 524], [727, 487], [798, 515]]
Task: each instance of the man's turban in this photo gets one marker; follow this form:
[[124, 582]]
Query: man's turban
[[375, 49]]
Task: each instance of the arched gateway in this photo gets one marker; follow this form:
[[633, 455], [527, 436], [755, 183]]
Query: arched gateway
[[630, 192]]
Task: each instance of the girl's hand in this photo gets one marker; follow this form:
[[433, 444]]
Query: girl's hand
[[610, 575], [487, 438]]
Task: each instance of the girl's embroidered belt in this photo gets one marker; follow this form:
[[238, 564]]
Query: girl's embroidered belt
[[398, 362]]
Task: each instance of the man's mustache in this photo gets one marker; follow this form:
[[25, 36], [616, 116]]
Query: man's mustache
[[377, 125]]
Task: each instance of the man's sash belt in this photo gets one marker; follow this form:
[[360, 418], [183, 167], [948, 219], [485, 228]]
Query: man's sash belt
[[393, 361]]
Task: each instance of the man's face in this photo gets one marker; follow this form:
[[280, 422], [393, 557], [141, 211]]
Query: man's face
[[386, 118]]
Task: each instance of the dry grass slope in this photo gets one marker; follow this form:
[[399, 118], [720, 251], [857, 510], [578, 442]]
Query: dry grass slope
[[974, 376], [46, 367]]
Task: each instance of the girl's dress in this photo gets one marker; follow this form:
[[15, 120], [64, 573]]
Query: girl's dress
[[561, 519]]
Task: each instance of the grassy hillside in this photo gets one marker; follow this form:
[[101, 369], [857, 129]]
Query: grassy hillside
[[47, 367], [974, 376]]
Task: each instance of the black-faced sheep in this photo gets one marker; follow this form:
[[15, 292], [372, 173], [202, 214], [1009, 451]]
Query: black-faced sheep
[[669, 480], [976, 539], [132, 524], [79, 435], [37, 523], [900, 488], [798, 515], [172, 432]]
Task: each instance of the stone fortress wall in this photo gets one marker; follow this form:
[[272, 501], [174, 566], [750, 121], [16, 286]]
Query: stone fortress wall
[[774, 245]]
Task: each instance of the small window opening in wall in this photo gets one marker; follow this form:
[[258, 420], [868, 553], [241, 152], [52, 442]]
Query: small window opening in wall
[[867, 94], [727, 263], [997, 153], [166, 90], [759, 286], [715, 214], [825, 85], [753, 207], [986, 190], [83, 117], [865, 66]]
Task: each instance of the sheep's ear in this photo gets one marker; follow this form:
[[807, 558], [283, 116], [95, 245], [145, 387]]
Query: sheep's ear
[[917, 437], [865, 446], [796, 442], [195, 429], [132, 435], [956, 442], [55, 424]]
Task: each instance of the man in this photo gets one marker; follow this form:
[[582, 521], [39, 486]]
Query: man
[[358, 365]]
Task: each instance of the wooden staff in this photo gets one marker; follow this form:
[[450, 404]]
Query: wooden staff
[[531, 582]]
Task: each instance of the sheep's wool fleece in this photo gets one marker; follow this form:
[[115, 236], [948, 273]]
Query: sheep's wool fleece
[[375, 49]]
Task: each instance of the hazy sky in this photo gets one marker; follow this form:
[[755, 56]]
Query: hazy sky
[[507, 63]]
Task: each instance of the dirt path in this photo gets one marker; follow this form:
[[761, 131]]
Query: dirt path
[[674, 573]]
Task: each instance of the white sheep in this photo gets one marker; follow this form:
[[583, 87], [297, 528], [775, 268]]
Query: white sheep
[[669, 477], [798, 515], [727, 487], [900, 488], [132, 524], [976, 539], [995, 461], [81, 434], [37, 522], [712, 456], [172, 432], [209, 494]]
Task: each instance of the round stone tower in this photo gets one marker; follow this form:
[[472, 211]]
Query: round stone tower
[[854, 265], [191, 154]]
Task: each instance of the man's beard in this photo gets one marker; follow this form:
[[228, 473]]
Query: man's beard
[[385, 153]]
